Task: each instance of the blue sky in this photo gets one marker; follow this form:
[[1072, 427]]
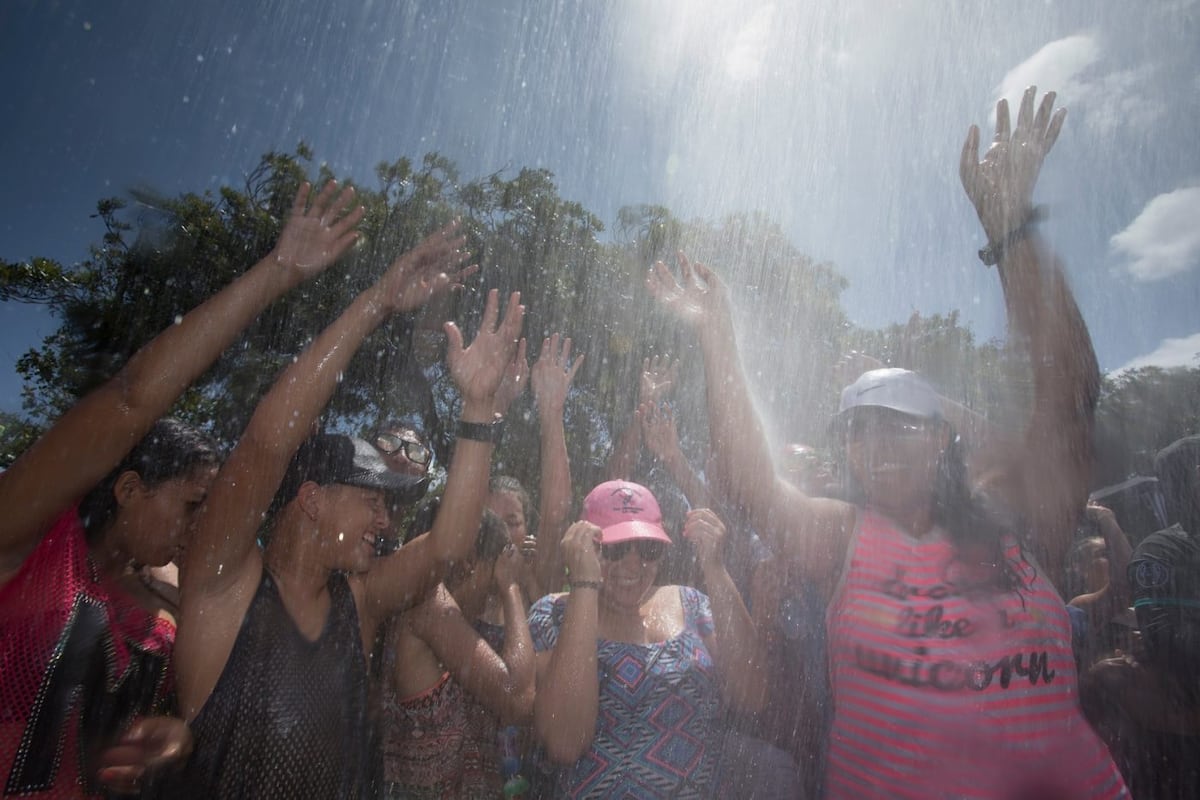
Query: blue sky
[[842, 120]]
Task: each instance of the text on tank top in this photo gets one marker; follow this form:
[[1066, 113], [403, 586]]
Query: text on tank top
[[944, 690]]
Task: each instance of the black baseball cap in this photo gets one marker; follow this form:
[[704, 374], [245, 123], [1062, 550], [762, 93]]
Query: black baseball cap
[[328, 458]]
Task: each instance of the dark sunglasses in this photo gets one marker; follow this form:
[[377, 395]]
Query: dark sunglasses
[[888, 426], [647, 550], [415, 452]]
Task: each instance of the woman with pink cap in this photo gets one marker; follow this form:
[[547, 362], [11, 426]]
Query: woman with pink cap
[[630, 675]]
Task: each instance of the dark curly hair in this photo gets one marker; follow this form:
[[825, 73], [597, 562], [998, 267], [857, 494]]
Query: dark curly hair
[[171, 449]]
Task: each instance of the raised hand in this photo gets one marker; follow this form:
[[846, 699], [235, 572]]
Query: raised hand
[[431, 268], [658, 378], [317, 235], [706, 532], [516, 378], [658, 431], [553, 372], [581, 551], [698, 297], [151, 744], [477, 370], [1001, 185], [508, 570]]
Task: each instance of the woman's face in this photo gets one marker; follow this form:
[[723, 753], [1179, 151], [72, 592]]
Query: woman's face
[[894, 457], [153, 522], [630, 575], [507, 506]]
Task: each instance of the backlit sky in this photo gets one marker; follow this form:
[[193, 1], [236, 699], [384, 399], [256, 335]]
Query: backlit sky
[[842, 120]]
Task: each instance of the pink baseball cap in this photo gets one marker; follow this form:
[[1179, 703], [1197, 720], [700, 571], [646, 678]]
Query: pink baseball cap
[[624, 511]]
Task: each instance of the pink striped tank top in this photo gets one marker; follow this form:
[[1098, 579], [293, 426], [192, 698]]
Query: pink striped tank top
[[944, 692]]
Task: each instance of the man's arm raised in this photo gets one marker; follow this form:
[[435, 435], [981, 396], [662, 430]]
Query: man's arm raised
[[399, 580], [224, 564]]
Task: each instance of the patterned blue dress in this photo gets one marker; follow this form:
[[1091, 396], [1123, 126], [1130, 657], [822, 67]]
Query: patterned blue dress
[[656, 731]]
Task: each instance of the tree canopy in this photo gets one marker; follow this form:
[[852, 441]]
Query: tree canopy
[[160, 256]]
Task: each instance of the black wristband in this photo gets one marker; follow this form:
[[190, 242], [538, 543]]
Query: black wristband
[[489, 432], [992, 254], [586, 585]]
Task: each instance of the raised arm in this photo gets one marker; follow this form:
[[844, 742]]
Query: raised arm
[[662, 439], [92, 437], [502, 682], [398, 580], [814, 532], [654, 386], [224, 563], [551, 377], [735, 645], [1046, 479], [568, 681], [1116, 596]]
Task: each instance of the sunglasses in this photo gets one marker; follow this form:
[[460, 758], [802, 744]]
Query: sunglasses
[[647, 550], [889, 427], [390, 444]]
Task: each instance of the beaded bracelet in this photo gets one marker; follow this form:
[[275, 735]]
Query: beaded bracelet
[[586, 585], [992, 254]]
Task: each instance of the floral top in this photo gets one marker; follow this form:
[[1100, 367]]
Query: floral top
[[656, 731]]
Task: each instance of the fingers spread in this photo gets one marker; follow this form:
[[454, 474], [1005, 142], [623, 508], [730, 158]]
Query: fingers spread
[[685, 269], [1002, 131], [969, 160], [1025, 114], [454, 341], [301, 200], [1055, 128], [491, 312], [514, 319], [1043, 114]]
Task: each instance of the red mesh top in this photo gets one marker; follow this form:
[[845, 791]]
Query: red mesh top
[[79, 659]]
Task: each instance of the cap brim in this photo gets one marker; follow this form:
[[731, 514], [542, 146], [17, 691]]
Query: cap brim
[[399, 487], [634, 529]]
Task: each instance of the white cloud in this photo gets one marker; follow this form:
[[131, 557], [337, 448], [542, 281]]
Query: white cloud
[[1169, 353], [745, 59], [1056, 66], [1074, 67], [1164, 239]]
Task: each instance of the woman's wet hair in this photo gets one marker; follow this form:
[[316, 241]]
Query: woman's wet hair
[[492, 538], [170, 450], [507, 483], [976, 528]]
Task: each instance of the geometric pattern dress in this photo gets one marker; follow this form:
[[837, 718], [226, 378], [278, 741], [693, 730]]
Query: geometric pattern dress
[[656, 730]]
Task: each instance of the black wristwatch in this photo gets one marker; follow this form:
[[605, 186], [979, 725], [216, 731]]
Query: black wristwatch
[[481, 431]]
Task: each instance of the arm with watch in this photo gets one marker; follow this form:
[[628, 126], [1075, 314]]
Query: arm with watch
[[1043, 475], [397, 581]]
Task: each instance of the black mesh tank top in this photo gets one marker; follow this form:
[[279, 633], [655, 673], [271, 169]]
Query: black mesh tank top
[[287, 718]]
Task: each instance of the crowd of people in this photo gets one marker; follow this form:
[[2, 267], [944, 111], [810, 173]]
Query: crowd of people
[[298, 618]]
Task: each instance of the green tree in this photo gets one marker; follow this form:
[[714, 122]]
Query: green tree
[[1140, 412]]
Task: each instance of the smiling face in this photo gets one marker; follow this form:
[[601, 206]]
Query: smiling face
[[894, 457], [152, 522], [351, 518], [629, 577]]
